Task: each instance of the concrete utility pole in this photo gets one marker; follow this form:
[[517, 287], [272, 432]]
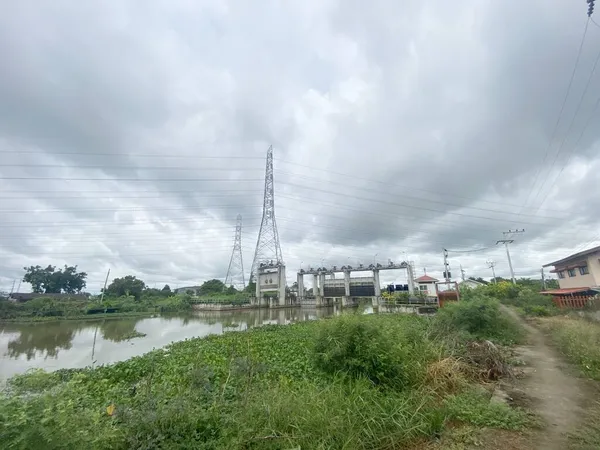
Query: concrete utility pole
[[543, 280], [447, 274], [104, 289], [462, 273], [491, 264], [506, 242]]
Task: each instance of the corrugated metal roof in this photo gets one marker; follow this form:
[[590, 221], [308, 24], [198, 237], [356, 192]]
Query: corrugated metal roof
[[574, 255], [566, 291]]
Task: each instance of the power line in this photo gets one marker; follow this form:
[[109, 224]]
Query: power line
[[562, 108], [583, 130], [354, 177], [128, 155], [562, 144]]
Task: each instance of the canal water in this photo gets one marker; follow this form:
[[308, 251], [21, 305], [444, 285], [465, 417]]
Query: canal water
[[81, 343], [74, 344]]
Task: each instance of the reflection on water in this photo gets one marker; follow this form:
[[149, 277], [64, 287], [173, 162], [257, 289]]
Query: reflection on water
[[69, 344]]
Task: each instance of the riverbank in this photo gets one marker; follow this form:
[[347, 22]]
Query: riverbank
[[356, 381], [44, 309], [90, 317]]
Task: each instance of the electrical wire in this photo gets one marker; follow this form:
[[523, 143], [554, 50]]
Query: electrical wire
[[562, 108], [562, 144]]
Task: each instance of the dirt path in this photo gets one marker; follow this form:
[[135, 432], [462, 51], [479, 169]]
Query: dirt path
[[555, 394]]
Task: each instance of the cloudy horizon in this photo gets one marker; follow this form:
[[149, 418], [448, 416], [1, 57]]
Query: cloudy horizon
[[131, 138]]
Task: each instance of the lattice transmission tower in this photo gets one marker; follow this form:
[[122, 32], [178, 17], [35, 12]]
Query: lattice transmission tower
[[235, 272], [268, 249]]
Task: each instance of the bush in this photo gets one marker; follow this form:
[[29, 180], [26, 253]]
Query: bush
[[579, 341], [480, 319], [540, 311], [358, 347], [475, 407]]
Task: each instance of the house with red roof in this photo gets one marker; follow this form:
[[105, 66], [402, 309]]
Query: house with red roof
[[426, 285]]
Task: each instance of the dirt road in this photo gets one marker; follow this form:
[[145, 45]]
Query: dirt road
[[556, 395]]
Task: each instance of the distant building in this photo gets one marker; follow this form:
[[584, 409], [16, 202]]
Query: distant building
[[427, 285], [184, 290], [471, 283], [578, 273]]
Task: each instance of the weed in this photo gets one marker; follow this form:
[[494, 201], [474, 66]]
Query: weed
[[579, 340], [587, 436], [474, 407], [359, 347], [481, 319]]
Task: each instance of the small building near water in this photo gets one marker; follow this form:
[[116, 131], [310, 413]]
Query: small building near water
[[427, 285]]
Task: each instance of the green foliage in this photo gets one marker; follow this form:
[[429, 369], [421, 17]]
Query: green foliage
[[51, 308], [587, 436], [481, 318], [262, 389], [51, 281], [475, 407], [211, 287], [579, 341], [358, 347], [166, 290], [126, 286]]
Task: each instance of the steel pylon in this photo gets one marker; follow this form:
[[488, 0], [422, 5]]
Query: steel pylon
[[235, 272], [268, 249]]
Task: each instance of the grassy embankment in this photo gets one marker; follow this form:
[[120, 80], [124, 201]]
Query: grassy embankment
[[576, 337], [44, 309], [579, 340], [351, 382]]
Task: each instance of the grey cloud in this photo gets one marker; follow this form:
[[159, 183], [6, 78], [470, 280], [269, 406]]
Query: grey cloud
[[435, 109]]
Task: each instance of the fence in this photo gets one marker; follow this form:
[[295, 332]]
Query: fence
[[576, 301]]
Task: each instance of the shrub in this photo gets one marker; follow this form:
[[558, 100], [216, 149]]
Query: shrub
[[579, 341], [475, 407], [481, 319], [540, 311], [357, 347]]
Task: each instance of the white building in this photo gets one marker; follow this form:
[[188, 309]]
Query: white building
[[427, 285], [470, 283]]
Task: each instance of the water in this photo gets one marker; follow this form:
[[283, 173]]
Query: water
[[70, 343]]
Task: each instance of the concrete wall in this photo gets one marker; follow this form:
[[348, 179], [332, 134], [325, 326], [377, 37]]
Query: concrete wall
[[430, 292], [594, 268]]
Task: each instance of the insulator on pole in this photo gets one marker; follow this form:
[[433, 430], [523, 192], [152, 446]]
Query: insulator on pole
[[590, 7]]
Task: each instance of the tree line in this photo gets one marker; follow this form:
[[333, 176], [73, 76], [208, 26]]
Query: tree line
[[68, 280]]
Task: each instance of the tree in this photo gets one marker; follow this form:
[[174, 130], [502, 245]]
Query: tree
[[128, 285], [52, 281], [211, 287], [166, 290], [251, 288]]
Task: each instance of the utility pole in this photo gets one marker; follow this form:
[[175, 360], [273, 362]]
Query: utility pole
[[12, 289], [447, 274], [462, 273], [507, 241], [104, 289], [491, 264], [543, 280]]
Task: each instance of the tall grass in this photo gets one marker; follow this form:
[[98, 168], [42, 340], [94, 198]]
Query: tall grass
[[579, 340], [354, 382], [478, 319]]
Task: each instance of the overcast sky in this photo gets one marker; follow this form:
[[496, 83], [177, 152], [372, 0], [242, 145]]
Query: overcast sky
[[132, 135]]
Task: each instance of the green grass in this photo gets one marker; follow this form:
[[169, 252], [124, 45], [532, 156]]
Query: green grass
[[579, 340], [353, 382], [474, 407], [478, 319], [587, 436]]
